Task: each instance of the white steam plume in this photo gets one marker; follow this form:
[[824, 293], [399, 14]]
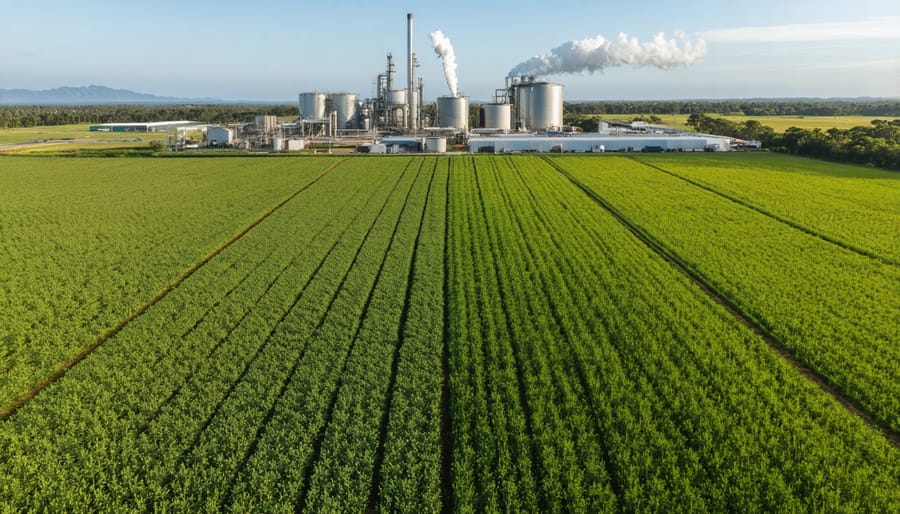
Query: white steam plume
[[598, 53], [444, 49]]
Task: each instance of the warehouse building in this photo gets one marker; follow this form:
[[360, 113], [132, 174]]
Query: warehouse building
[[598, 143], [153, 126]]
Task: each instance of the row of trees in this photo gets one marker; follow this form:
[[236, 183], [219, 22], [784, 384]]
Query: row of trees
[[751, 130], [37, 115], [740, 107], [875, 145]]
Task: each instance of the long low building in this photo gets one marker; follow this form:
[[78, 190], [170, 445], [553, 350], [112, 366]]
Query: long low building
[[153, 126], [588, 143]]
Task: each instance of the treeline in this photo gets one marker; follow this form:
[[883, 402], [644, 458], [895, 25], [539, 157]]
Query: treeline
[[875, 145], [37, 115], [744, 107]]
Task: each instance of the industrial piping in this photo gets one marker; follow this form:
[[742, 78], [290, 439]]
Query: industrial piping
[[411, 96]]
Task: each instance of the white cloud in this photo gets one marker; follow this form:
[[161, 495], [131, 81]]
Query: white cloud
[[885, 28]]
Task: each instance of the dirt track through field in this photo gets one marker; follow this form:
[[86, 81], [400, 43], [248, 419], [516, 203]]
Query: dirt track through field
[[851, 405], [61, 369]]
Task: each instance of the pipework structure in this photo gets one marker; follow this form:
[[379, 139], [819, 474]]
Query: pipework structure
[[413, 124]]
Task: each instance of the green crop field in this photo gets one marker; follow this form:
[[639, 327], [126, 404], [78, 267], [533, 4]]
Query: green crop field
[[666, 333]]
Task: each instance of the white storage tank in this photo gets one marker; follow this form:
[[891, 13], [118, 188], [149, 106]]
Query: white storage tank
[[546, 110], [312, 106], [497, 116], [436, 144], [397, 97], [345, 106], [277, 144], [453, 112]]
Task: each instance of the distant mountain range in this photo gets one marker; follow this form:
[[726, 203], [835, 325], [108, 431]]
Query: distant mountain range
[[90, 95]]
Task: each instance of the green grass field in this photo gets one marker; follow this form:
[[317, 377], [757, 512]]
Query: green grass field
[[607, 333], [778, 123], [42, 139]]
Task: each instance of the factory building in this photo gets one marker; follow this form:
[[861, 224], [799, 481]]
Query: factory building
[[526, 115], [596, 143]]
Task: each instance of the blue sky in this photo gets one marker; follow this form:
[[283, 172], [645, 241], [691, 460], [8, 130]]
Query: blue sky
[[272, 50]]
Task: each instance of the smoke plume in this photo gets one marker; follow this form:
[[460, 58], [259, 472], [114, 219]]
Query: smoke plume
[[444, 49], [598, 53]]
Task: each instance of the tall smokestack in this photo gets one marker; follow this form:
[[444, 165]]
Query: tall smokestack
[[413, 114]]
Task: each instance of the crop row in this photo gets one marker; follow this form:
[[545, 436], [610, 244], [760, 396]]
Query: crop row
[[833, 308], [633, 390]]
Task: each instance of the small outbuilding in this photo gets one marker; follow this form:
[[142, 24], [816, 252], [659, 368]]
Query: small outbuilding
[[219, 136]]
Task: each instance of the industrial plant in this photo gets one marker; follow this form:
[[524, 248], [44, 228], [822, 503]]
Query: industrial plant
[[525, 115]]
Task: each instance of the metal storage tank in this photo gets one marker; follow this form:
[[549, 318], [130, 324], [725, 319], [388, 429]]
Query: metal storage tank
[[546, 106], [436, 144], [523, 106], [312, 106], [497, 116], [397, 97], [277, 144], [453, 111], [344, 105]]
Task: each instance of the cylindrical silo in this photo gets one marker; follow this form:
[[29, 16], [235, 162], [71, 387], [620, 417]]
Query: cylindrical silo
[[497, 116], [396, 97], [453, 112], [523, 106], [546, 111], [312, 106], [436, 144], [344, 105]]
